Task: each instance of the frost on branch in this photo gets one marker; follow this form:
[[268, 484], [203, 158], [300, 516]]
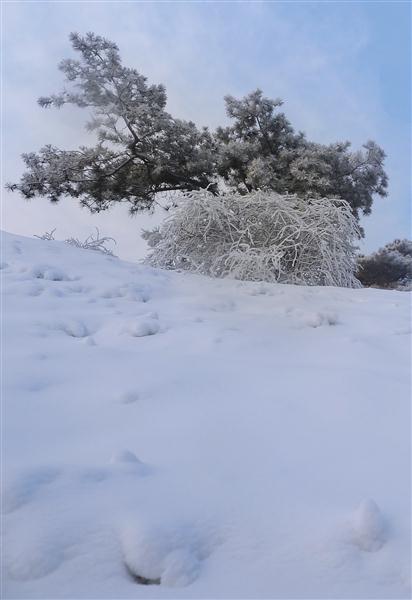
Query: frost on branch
[[140, 151], [47, 236], [260, 236], [92, 242]]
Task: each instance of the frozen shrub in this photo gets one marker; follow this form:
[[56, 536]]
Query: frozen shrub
[[260, 236], [92, 242], [47, 235]]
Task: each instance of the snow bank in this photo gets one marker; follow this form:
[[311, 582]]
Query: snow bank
[[172, 436]]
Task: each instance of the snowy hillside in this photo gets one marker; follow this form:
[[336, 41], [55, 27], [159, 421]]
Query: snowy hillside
[[223, 439]]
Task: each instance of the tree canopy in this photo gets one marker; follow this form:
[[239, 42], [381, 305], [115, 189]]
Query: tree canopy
[[142, 150], [262, 150]]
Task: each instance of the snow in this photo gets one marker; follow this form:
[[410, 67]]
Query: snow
[[143, 325], [368, 527], [167, 435]]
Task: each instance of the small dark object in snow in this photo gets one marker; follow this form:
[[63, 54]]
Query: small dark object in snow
[[140, 579]]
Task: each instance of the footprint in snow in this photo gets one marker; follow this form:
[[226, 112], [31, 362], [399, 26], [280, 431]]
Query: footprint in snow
[[129, 397], [39, 356], [143, 326], [260, 290], [73, 328], [125, 459], [128, 292], [124, 456], [78, 289], [170, 557], [43, 537], [223, 306], [304, 318], [34, 384], [403, 331], [57, 293], [22, 488], [110, 293], [35, 289], [49, 273], [40, 556]]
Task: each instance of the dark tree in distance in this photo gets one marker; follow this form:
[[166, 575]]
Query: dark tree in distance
[[388, 267]]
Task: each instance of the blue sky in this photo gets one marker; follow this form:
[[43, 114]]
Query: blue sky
[[342, 68]]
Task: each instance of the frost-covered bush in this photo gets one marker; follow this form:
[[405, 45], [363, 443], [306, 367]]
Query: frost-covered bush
[[92, 242], [260, 236], [389, 267]]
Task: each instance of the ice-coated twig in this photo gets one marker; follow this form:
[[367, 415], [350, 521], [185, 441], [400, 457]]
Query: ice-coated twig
[[92, 242]]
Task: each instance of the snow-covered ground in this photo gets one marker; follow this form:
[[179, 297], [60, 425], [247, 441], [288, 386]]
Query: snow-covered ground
[[226, 439]]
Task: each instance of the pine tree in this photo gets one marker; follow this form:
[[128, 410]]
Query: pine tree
[[141, 149], [261, 150]]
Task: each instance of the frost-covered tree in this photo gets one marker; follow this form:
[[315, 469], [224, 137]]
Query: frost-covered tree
[[259, 236], [141, 149], [261, 150], [389, 267]]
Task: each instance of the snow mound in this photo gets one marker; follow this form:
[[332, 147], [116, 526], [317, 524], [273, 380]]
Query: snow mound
[[368, 527], [163, 557], [74, 328], [143, 326]]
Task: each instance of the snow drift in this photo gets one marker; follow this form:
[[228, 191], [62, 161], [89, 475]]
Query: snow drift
[[167, 435]]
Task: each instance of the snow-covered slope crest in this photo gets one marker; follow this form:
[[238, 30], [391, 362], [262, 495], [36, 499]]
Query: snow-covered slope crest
[[171, 436]]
